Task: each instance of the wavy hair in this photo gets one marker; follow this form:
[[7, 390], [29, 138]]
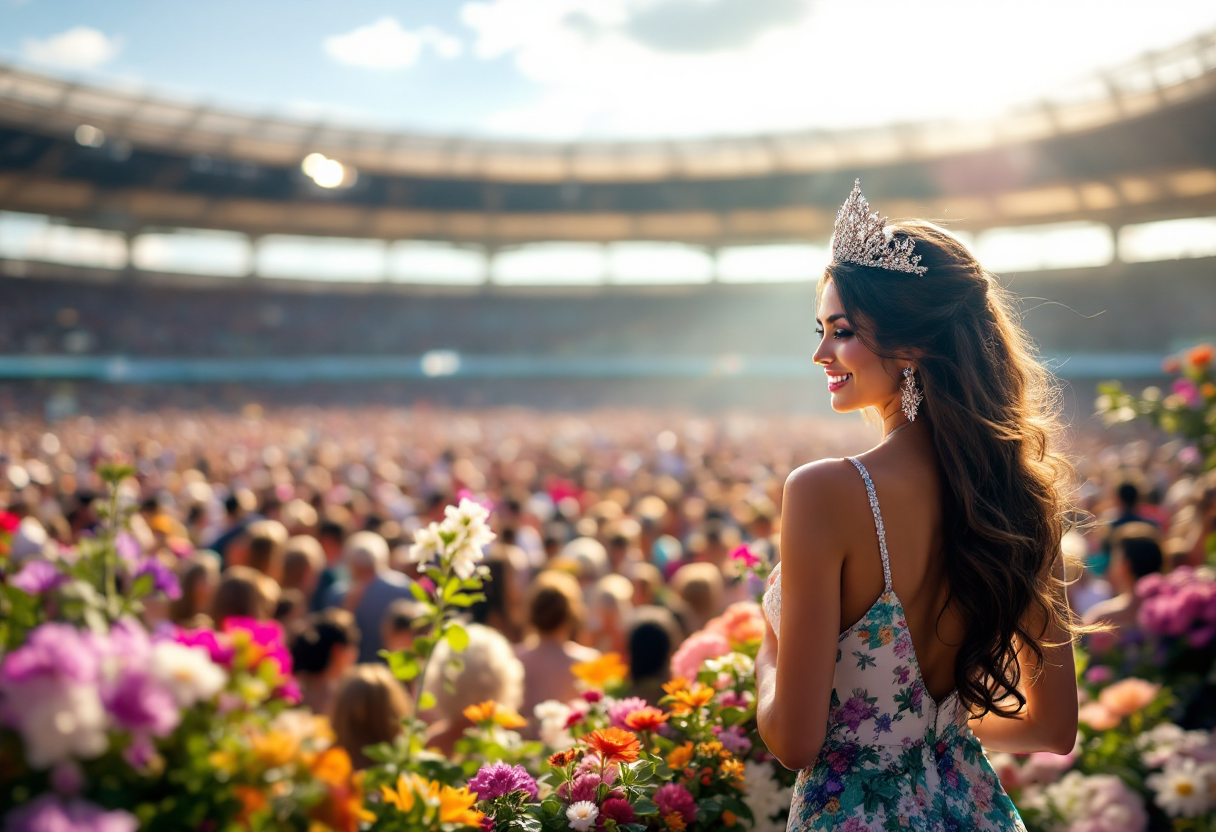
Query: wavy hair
[[992, 411]]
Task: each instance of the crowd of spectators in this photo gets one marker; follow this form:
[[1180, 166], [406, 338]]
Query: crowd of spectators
[[614, 531]]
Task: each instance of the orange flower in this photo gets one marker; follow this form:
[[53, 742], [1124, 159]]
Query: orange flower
[[491, 711], [614, 745], [1128, 696], [456, 806], [728, 817], [1200, 356], [563, 758], [597, 673], [252, 800], [677, 684], [733, 769], [687, 701], [332, 767], [1208, 390], [743, 621], [646, 719], [675, 822], [680, 757]]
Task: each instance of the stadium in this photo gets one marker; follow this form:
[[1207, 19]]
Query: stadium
[[150, 242]]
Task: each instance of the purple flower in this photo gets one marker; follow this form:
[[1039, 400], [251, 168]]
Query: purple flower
[[37, 577], [127, 547], [138, 703], [733, 739], [52, 650], [49, 813], [494, 780], [623, 708], [140, 753], [163, 578], [856, 710]]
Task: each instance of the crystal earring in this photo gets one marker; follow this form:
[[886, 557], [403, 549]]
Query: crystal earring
[[911, 396]]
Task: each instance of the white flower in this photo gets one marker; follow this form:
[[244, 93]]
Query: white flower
[[1167, 741], [1183, 789], [553, 715], [305, 726], [427, 544], [764, 795], [187, 672], [739, 664], [58, 722], [582, 815]]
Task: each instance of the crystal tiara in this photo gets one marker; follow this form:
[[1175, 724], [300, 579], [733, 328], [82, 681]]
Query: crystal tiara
[[860, 237]]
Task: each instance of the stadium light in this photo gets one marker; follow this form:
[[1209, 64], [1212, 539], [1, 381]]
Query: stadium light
[[1168, 240], [89, 136], [328, 173]]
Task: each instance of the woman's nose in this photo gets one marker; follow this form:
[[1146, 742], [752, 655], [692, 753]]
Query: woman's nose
[[823, 353]]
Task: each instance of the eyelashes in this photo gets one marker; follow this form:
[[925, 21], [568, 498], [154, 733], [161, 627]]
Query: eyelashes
[[839, 334]]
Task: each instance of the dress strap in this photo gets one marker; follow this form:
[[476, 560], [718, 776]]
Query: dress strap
[[882, 534]]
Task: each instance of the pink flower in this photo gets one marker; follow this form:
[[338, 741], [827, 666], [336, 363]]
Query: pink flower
[[617, 711], [744, 555], [695, 650], [1097, 716], [1189, 392], [218, 648], [675, 798], [1128, 696], [1099, 675], [616, 809], [742, 621]]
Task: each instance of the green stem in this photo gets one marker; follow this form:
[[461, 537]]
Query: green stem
[[109, 552], [420, 682]]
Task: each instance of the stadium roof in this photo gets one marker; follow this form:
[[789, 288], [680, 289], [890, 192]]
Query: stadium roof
[[1137, 143]]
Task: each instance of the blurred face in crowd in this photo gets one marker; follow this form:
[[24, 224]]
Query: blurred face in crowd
[[856, 377]]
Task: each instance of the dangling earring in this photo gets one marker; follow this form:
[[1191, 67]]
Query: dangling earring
[[911, 396]]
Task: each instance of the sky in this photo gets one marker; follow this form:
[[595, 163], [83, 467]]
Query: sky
[[566, 70]]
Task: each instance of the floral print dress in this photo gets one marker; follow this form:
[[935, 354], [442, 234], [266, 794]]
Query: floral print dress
[[893, 758]]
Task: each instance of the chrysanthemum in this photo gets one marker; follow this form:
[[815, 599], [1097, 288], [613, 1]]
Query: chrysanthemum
[[599, 672], [646, 719], [582, 815], [1183, 789], [614, 745], [494, 780]]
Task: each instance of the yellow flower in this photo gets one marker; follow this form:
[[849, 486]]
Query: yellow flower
[[886, 635], [491, 711], [734, 769], [832, 806], [275, 748], [687, 701], [225, 761], [409, 786], [677, 684], [456, 806], [709, 749], [680, 757], [599, 672]]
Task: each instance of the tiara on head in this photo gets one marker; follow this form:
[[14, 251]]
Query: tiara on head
[[859, 237]]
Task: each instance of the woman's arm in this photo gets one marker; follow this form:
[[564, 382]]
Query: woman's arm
[[794, 676], [1049, 720]]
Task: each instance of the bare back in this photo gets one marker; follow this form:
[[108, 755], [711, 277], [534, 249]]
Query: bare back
[[908, 484]]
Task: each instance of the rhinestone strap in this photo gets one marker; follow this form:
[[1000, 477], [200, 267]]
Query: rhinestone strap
[[882, 534]]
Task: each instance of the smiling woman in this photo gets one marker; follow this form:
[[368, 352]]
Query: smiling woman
[[892, 666]]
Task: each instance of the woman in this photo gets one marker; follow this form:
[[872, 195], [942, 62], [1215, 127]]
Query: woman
[[323, 645], [555, 612], [367, 709], [880, 675]]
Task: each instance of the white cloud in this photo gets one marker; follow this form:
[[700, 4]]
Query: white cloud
[[80, 47], [843, 64], [385, 44]]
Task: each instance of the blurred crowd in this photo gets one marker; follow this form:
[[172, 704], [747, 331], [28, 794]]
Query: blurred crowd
[[615, 532]]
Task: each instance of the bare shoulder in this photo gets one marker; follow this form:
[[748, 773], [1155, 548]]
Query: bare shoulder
[[819, 502], [821, 484]]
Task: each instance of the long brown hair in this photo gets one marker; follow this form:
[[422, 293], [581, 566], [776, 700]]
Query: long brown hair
[[992, 411]]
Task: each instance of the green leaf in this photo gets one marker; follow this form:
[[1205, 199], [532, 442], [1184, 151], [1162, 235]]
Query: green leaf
[[426, 700], [142, 586], [451, 588], [465, 600], [645, 806], [418, 592], [403, 665], [423, 645], [457, 636]]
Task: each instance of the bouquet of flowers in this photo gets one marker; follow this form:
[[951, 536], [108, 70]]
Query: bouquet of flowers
[[1131, 770]]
